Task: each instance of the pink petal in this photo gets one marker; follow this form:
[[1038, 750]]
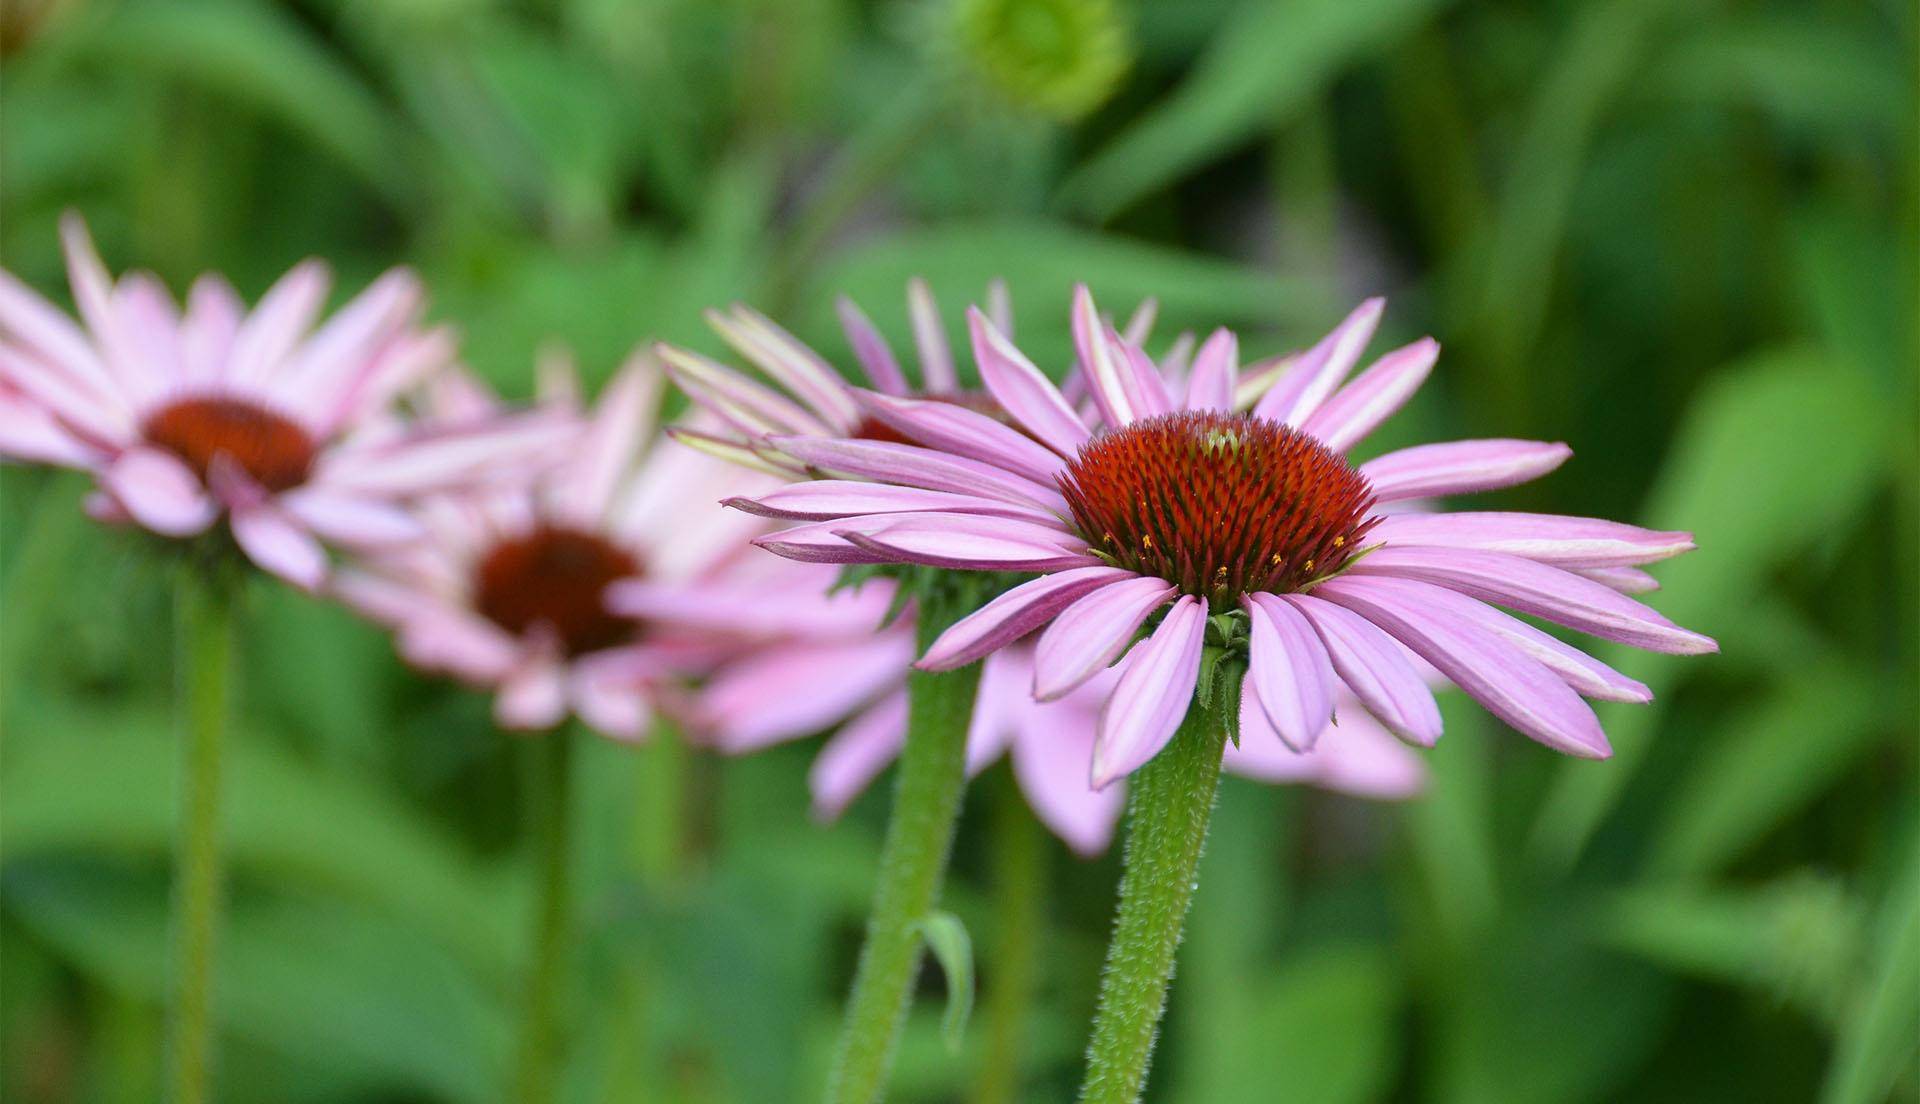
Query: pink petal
[[1588, 676], [1106, 376], [207, 331], [1310, 379], [1354, 756], [1147, 388], [870, 348], [1626, 580], [1139, 325], [1570, 542], [1089, 635], [31, 321], [461, 643], [350, 519], [1014, 614], [856, 754], [822, 499], [272, 540], [785, 693], [402, 362], [159, 491], [971, 542], [450, 458], [285, 313], [340, 353], [1022, 390], [1289, 666], [149, 328], [886, 462], [1559, 596], [787, 361], [106, 419], [936, 356], [756, 611], [583, 488], [605, 696], [1000, 306], [1214, 369], [533, 698], [753, 408], [1358, 408], [957, 430], [1508, 683], [28, 432], [1052, 757], [1152, 696], [1460, 467], [1375, 668]]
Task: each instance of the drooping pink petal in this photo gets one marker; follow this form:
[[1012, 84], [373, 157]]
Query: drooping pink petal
[[533, 698], [1570, 542], [856, 755], [1022, 390], [1460, 467], [279, 545], [1052, 757], [930, 337], [1626, 580], [1014, 614], [159, 491], [823, 542], [1001, 695], [1214, 369], [350, 519], [28, 432], [1375, 668], [1508, 683], [462, 644], [952, 428], [1308, 381], [886, 462], [1588, 676], [1151, 698], [870, 348], [1289, 667], [821, 499], [1355, 410], [1354, 756], [1089, 635], [1542, 590], [788, 361], [782, 693], [605, 695], [973, 542]]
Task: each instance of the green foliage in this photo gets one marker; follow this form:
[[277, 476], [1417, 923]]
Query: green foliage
[[1678, 236]]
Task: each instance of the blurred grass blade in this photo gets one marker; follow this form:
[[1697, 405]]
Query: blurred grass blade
[[1269, 60], [1880, 1040]]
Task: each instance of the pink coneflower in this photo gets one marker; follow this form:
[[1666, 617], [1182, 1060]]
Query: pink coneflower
[[1050, 743], [1235, 523], [182, 417], [604, 586]]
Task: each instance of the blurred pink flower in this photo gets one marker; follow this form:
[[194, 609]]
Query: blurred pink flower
[[1050, 743], [612, 585], [181, 417], [1184, 500]]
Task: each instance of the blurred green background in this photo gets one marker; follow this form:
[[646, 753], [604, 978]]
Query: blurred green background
[[1678, 235]]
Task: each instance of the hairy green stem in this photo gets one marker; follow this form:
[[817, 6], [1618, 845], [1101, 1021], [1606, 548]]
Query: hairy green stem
[[1168, 807], [205, 604], [913, 860], [550, 810], [1019, 885]]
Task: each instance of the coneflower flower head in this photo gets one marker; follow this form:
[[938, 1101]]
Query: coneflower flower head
[[287, 430], [1165, 507]]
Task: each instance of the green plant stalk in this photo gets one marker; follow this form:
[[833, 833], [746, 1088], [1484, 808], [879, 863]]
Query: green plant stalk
[[550, 809], [1019, 886], [1168, 808], [206, 601], [913, 860]]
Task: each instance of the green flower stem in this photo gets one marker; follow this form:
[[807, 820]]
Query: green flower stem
[[550, 810], [1019, 885], [205, 604], [926, 803], [1168, 807]]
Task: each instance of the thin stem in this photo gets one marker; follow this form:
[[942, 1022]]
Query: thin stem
[[550, 809], [1019, 882], [913, 860], [205, 602], [1168, 808]]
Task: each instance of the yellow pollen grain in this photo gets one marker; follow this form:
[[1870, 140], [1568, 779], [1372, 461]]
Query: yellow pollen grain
[[1340, 541], [1308, 566]]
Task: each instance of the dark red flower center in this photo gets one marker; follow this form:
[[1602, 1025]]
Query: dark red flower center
[[555, 576], [873, 429], [271, 448], [1218, 504]]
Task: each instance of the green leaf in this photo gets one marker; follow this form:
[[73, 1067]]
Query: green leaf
[[1271, 59], [1882, 1036], [947, 937], [1809, 431], [1322, 1029]]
